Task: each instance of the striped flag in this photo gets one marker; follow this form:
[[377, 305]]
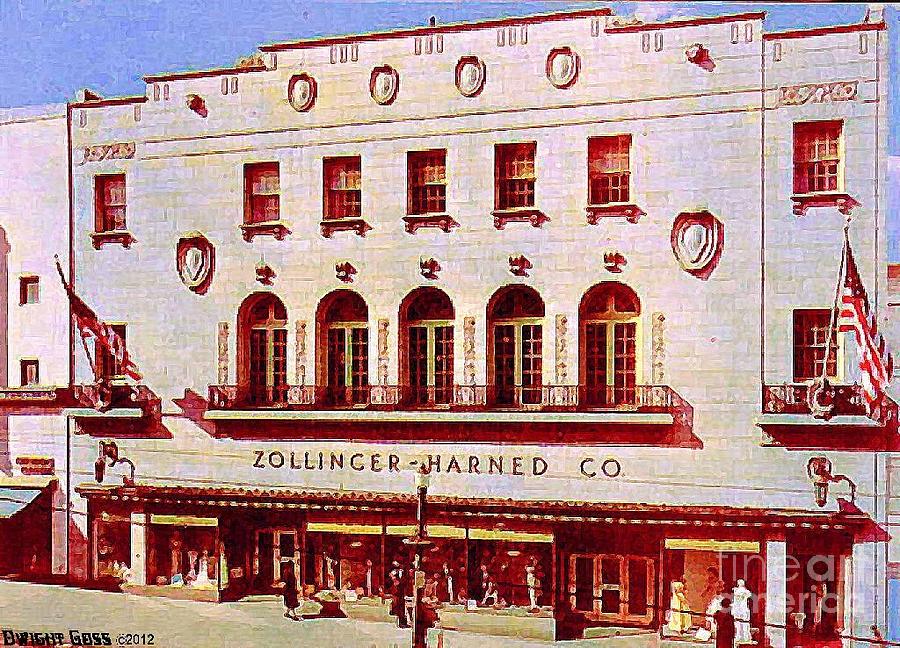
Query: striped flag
[[90, 326], [875, 363]]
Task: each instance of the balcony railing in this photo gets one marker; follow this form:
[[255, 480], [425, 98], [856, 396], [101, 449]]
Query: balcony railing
[[834, 400], [640, 398]]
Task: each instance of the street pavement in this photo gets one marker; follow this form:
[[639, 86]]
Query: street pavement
[[257, 622]]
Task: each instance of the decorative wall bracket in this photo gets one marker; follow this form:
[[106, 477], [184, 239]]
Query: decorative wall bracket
[[265, 274], [519, 266], [614, 261], [276, 229], [345, 271], [443, 222], [116, 237], [429, 268], [845, 203], [534, 216], [631, 213], [358, 225], [699, 56]]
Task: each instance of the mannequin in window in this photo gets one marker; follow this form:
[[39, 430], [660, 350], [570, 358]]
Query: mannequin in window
[[741, 611], [679, 618]]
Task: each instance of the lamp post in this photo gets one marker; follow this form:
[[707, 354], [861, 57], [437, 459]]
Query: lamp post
[[419, 541]]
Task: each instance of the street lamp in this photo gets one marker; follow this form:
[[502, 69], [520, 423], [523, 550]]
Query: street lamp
[[419, 541]]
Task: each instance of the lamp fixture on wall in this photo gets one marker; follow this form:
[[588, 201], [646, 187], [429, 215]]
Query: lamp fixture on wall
[[820, 472]]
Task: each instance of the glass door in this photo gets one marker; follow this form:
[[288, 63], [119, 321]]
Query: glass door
[[613, 588]]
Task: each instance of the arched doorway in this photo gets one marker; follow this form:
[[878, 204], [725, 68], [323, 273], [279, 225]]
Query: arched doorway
[[262, 352], [426, 347], [342, 338], [515, 316], [607, 318]]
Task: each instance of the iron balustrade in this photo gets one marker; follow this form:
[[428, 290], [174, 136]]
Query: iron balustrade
[[638, 398]]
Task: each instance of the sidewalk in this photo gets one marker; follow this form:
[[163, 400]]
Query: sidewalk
[[249, 623]]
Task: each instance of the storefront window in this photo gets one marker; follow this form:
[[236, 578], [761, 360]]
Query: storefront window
[[182, 553], [113, 548], [699, 574]]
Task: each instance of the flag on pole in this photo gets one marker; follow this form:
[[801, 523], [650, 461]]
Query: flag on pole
[[104, 336], [875, 363]]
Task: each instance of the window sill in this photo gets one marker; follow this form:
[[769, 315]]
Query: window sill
[[116, 237], [276, 229], [843, 201], [630, 212], [443, 222], [520, 215], [358, 225]]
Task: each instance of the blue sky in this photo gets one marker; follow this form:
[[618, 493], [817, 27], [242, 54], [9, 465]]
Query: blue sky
[[50, 48]]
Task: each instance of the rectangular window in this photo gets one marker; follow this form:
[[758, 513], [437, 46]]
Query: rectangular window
[[817, 157], [609, 169], [348, 365], [430, 363], [810, 337], [268, 366], [342, 193], [427, 182], [261, 192], [29, 290], [108, 366], [514, 175], [518, 367], [109, 202], [30, 372]]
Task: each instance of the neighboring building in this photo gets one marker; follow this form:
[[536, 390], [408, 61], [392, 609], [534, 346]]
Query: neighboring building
[[34, 340], [579, 265]]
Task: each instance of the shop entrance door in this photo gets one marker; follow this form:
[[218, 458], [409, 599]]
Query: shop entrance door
[[274, 547], [612, 588]]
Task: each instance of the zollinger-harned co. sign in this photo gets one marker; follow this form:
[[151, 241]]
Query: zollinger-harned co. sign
[[448, 464]]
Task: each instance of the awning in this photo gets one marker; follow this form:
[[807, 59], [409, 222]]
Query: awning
[[13, 500]]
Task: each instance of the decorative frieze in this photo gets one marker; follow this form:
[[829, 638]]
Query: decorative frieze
[[797, 95], [658, 348], [223, 353], [116, 151], [562, 349], [300, 357], [383, 351], [469, 350]]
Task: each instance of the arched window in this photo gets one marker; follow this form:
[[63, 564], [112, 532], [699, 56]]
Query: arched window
[[607, 319], [426, 347], [262, 352], [515, 336], [342, 335]]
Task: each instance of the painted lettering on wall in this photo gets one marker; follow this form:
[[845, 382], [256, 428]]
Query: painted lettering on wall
[[376, 462]]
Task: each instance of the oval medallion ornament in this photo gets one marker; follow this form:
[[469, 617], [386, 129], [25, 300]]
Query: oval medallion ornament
[[384, 85], [562, 67], [195, 259], [302, 92], [697, 241], [471, 74]]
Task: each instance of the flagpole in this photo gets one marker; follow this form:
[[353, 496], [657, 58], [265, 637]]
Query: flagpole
[[68, 290], [832, 322]]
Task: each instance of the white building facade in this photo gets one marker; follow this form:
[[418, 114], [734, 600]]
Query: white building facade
[[578, 265]]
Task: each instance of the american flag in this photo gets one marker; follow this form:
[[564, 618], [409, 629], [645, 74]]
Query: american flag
[[90, 326], [875, 363]]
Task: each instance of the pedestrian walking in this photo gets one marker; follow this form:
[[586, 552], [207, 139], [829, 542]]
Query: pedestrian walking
[[289, 594], [724, 624]]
